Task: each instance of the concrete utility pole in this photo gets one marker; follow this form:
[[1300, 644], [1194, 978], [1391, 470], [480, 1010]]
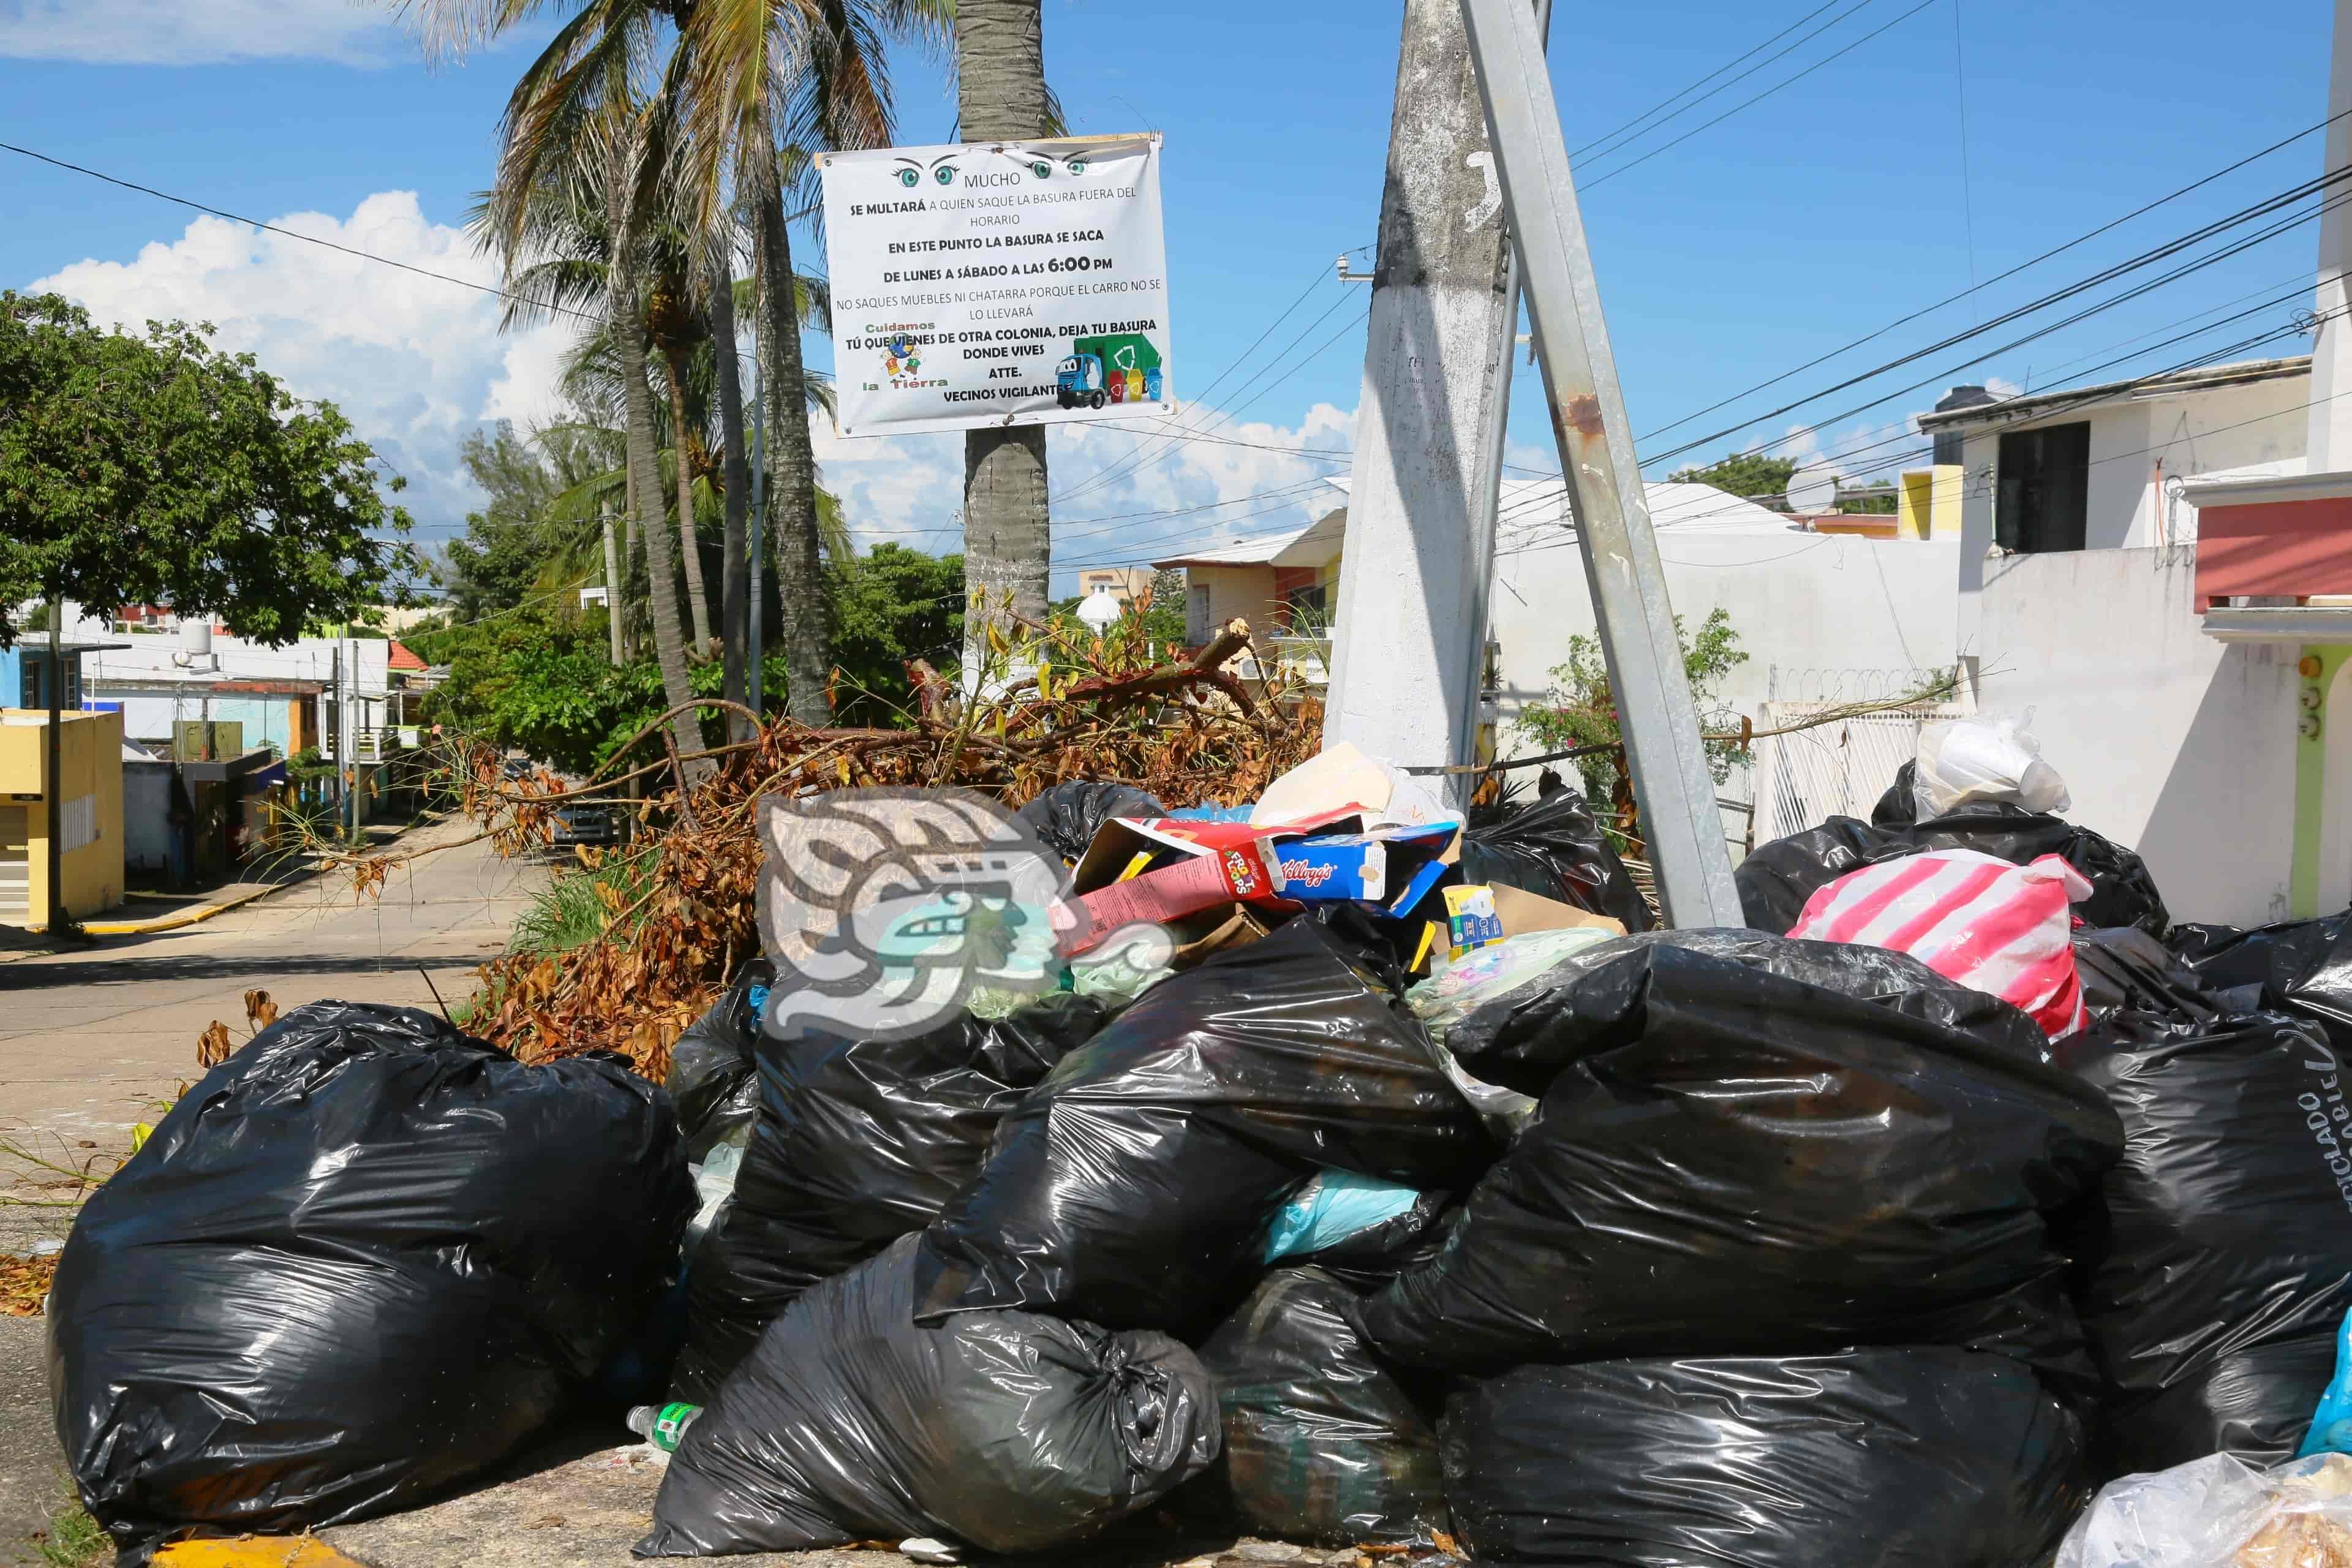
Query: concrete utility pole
[[1667, 759], [53, 786], [1409, 643]]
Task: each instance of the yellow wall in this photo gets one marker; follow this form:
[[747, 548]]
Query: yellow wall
[[90, 762], [1244, 591], [1927, 502]]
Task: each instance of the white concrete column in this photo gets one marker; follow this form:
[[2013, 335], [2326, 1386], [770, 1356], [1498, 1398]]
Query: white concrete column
[[2330, 441], [1420, 550]]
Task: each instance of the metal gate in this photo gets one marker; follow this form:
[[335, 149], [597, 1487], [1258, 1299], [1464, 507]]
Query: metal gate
[[1836, 769]]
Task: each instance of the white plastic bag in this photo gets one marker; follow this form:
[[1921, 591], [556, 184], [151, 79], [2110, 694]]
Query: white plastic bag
[[1963, 761], [2220, 1512]]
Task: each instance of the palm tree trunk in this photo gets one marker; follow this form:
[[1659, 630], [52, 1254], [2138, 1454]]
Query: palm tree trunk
[[1007, 552], [735, 586], [792, 466], [627, 293], [690, 537], [613, 588]]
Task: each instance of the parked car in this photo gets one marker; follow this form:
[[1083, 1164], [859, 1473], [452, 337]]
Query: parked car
[[589, 821]]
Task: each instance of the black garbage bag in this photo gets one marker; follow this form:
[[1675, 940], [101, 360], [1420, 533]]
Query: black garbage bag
[[1747, 1142], [2123, 968], [1133, 1186], [1067, 816], [365, 1257], [1005, 1431], [714, 1076], [2273, 956], [2217, 1261], [1874, 1458], [858, 1143], [1775, 882], [1552, 847], [1323, 1444]]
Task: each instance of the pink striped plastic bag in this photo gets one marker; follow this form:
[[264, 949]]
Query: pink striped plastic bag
[[1987, 924]]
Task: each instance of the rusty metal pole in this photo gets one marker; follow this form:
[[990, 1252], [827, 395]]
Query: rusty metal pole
[[1671, 779]]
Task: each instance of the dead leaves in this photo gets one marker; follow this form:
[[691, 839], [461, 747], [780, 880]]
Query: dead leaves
[[1188, 732], [25, 1284], [260, 1012], [213, 1046]]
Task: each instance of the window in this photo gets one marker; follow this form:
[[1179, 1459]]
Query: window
[[79, 823], [2044, 487], [1306, 605], [1196, 615]]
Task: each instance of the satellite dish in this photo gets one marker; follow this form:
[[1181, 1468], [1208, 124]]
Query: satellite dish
[[1813, 488]]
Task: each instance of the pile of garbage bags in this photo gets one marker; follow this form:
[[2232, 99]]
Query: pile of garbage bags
[[364, 1259], [1416, 1193]]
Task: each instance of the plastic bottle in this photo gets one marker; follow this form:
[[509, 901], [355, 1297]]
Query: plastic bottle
[[663, 1426]]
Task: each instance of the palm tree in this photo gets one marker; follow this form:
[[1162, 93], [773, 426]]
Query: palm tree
[[759, 86], [1000, 95]]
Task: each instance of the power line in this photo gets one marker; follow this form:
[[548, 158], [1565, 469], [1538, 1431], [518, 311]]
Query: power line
[[305, 238], [1595, 145], [1998, 277], [2108, 275], [1587, 187], [1322, 272]]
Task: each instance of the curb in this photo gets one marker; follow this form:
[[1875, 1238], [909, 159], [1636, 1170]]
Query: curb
[[178, 918]]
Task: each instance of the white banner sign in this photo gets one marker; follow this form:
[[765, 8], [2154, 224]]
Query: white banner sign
[[999, 284]]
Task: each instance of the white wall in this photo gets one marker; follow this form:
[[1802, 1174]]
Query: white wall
[[2198, 432], [2171, 742], [1820, 616], [312, 658]]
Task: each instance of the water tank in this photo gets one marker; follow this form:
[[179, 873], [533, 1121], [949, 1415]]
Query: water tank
[[1949, 444], [197, 646]]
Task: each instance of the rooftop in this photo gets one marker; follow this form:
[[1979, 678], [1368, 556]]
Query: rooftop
[[2035, 404]]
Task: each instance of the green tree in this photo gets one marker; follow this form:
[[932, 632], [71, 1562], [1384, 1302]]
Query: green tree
[[155, 470], [1580, 709], [1765, 479], [492, 567], [541, 679], [889, 607]]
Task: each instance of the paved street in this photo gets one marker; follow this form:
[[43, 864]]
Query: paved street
[[91, 1041]]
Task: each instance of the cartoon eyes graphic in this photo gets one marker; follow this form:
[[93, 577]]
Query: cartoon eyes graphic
[[910, 172], [1041, 168], [1075, 166]]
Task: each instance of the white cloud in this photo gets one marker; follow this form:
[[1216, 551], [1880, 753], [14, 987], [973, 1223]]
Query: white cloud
[[417, 362], [1124, 490], [200, 32]]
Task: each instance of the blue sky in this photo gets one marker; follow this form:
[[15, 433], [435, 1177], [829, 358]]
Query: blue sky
[[1819, 215]]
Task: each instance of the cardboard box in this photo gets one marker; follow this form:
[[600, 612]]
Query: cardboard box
[[1392, 867], [1521, 911]]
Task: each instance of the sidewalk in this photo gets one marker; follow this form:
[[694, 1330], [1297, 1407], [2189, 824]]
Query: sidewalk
[[145, 912]]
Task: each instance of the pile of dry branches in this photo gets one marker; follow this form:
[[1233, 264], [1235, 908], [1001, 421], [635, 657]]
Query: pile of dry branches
[[1192, 734]]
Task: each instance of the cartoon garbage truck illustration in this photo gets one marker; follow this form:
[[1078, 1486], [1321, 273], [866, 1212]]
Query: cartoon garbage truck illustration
[[1118, 367]]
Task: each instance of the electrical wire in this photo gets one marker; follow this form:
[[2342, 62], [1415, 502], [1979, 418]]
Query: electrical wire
[[1595, 146], [2238, 247], [1322, 272], [1585, 187], [2050, 254], [305, 238]]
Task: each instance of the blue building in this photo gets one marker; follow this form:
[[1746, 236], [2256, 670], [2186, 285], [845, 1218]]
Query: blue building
[[24, 670]]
